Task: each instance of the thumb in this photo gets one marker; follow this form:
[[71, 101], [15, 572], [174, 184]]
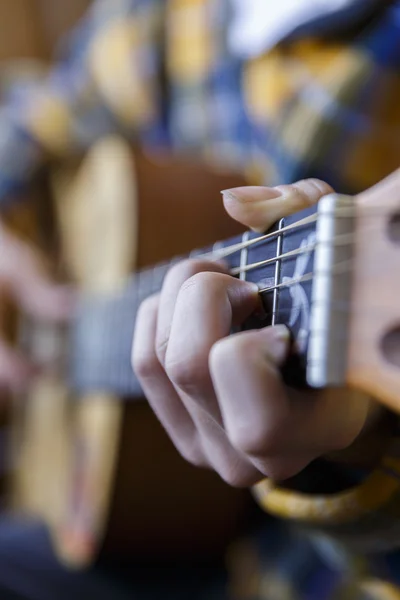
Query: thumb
[[260, 207], [23, 274]]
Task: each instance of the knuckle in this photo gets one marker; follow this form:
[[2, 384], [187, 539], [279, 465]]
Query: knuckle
[[221, 354], [298, 189], [144, 358], [199, 280], [144, 364], [192, 454], [147, 308], [310, 190], [188, 372], [188, 268], [232, 351], [319, 185], [161, 346], [219, 359], [261, 441]]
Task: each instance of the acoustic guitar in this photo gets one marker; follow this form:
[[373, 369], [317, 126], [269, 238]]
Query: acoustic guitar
[[97, 468], [324, 272]]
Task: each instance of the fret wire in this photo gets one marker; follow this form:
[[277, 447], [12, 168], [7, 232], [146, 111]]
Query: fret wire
[[288, 309], [277, 271], [303, 278], [243, 256]]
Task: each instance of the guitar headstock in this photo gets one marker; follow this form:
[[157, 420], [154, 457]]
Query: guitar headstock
[[373, 363]]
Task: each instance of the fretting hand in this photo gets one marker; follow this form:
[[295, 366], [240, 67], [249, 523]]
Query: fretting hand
[[220, 397]]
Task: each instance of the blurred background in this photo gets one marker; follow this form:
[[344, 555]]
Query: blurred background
[[32, 28], [175, 206], [97, 502]]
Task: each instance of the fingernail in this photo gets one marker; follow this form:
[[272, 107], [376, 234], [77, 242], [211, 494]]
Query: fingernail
[[250, 194], [229, 195], [252, 287], [277, 341]]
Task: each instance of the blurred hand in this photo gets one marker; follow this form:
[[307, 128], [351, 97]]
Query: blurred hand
[[23, 278], [220, 397]]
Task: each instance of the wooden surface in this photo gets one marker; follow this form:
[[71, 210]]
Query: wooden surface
[[99, 230], [374, 354], [103, 474], [50, 427]]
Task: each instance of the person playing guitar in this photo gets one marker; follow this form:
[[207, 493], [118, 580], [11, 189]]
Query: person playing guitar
[[299, 107]]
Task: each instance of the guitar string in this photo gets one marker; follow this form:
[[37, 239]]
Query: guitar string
[[273, 260], [346, 212], [228, 250], [339, 240], [339, 268]]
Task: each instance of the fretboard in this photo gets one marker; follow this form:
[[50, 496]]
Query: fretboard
[[280, 262]]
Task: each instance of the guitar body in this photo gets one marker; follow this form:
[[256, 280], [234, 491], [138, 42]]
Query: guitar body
[[99, 469]]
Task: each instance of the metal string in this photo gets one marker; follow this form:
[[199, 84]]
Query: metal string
[[339, 268], [228, 250], [341, 211]]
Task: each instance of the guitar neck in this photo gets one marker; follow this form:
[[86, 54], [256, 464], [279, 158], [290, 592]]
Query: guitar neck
[[280, 262]]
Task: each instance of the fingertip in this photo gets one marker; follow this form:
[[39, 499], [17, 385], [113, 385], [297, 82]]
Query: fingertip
[[247, 205], [276, 340], [249, 194], [245, 300], [260, 207], [250, 286]]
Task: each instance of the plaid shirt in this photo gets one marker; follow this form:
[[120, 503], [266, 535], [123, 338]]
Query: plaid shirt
[[159, 73]]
